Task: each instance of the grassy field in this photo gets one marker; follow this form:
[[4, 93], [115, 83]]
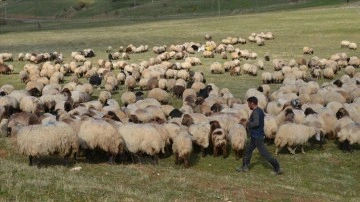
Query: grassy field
[[319, 175]]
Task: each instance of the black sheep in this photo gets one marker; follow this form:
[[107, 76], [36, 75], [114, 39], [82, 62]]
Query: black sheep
[[139, 95], [204, 93], [175, 113], [195, 47], [178, 91], [95, 80]]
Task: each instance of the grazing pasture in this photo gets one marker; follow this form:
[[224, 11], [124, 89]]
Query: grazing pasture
[[325, 174]]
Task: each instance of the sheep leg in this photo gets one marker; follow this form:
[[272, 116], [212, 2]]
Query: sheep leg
[[31, 158], [186, 162], [277, 151], [224, 150], [237, 156], [292, 151], [215, 151], [112, 159], [302, 149], [203, 151], [176, 159], [156, 159]]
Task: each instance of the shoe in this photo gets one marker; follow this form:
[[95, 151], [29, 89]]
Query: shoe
[[242, 169], [278, 172]]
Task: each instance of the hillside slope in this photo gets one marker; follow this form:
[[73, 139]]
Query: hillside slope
[[148, 8]]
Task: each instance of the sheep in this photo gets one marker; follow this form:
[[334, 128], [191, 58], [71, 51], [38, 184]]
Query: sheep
[[328, 73], [349, 135], [130, 83], [142, 138], [237, 137], [178, 91], [270, 126], [128, 98], [292, 134], [354, 61], [22, 118], [308, 50], [98, 133], [95, 80], [350, 70], [104, 96], [345, 44], [160, 95], [5, 69], [312, 119], [216, 68], [219, 141], [182, 147], [352, 46], [277, 77], [46, 139], [200, 133]]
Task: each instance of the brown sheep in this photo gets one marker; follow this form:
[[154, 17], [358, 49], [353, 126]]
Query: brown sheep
[[4, 69]]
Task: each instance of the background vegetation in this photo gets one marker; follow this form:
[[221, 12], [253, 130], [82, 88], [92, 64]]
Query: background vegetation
[[319, 175]]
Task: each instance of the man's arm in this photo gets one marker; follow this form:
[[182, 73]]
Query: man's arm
[[255, 122]]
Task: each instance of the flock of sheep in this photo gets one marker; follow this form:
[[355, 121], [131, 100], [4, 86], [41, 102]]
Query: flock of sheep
[[50, 116]]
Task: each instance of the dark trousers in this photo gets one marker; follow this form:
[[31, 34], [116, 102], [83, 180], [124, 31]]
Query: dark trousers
[[259, 144]]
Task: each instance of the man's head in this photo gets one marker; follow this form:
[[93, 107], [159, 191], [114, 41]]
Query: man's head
[[252, 102]]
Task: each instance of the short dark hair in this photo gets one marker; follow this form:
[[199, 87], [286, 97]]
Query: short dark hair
[[252, 99]]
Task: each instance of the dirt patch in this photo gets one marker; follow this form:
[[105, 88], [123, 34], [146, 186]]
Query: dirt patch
[[3, 153]]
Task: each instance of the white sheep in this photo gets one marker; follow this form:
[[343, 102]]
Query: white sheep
[[98, 133], [160, 95], [217, 68], [292, 134], [349, 135], [352, 46], [142, 138], [182, 147], [237, 137], [46, 139]]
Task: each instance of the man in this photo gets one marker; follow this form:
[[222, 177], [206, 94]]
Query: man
[[255, 126]]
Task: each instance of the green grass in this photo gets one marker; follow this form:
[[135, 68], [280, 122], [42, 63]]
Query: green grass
[[318, 175]]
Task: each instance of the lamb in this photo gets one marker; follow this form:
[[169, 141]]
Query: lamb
[[46, 139], [182, 147], [292, 134]]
